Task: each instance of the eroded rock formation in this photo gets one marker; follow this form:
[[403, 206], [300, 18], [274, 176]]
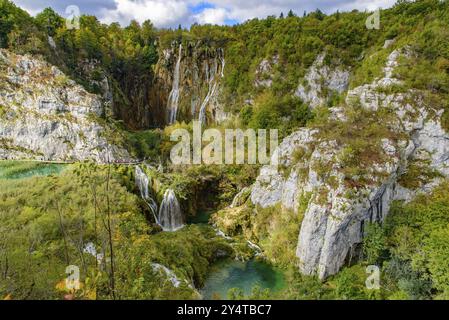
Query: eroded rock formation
[[347, 188], [47, 116], [197, 75], [321, 82]]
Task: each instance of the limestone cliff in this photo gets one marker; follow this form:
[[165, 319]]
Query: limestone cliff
[[321, 82], [350, 167], [187, 83], [46, 116]]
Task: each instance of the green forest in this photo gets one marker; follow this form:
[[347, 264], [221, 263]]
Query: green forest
[[128, 55], [49, 211]]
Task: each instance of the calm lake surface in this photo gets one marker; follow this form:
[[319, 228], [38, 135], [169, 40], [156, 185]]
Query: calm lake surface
[[228, 274]]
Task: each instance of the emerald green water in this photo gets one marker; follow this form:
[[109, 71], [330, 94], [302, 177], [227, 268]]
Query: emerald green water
[[201, 217], [228, 274], [21, 170]]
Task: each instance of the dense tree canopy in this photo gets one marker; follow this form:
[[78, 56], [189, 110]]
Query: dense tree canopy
[[411, 248], [128, 55]]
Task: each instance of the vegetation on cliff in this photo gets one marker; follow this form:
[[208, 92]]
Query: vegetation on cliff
[[127, 56], [46, 222]]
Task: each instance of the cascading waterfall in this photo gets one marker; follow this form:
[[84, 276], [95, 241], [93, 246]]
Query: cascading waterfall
[[142, 182], [223, 62], [195, 99], [170, 215], [213, 84], [173, 98], [211, 93]]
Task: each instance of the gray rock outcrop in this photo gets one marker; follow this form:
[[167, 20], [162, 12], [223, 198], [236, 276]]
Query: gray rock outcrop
[[326, 171], [47, 116], [264, 72], [320, 81]]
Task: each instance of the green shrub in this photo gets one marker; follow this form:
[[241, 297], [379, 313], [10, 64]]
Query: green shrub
[[417, 235], [374, 243]]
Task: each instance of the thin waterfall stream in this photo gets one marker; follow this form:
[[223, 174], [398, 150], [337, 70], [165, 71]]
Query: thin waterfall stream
[[213, 85], [173, 98], [142, 182]]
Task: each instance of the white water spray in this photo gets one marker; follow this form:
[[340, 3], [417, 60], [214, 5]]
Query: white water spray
[[223, 63], [213, 85], [170, 215], [210, 94], [142, 182], [173, 98]]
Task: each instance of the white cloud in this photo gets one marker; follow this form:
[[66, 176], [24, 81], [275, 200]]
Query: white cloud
[[211, 16], [162, 13], [170, 13], [361, 5], [32, 11], [248, 9]]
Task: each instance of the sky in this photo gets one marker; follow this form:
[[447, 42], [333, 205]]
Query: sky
[[171, 13]]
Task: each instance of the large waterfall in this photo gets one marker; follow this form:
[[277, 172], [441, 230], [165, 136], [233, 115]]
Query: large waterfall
[[142, 182], [173, 98], [211, 74], [170, 215]]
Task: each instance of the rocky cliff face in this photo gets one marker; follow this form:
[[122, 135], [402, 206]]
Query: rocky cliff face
[[46, 116], [188, 83], [321, 82], [348, 186], [264, 72]]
